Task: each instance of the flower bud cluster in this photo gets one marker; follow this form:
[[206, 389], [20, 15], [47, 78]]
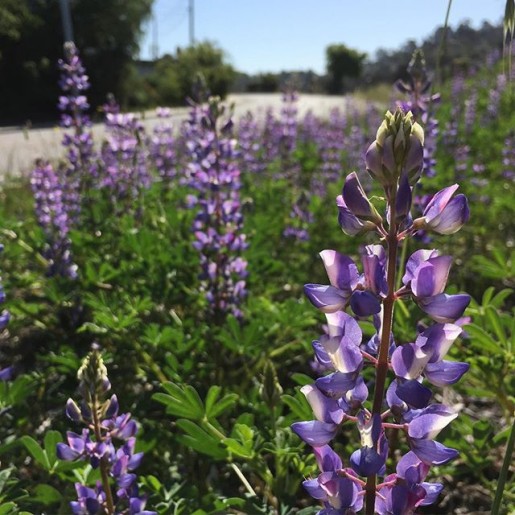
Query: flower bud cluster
[[341, 396], [107, 442], [215, 177], [397, 150]]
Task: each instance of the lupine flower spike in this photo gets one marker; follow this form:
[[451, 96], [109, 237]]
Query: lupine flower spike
[[344, 486], [107, 442]]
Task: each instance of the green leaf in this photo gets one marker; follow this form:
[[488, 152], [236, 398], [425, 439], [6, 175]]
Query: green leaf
[[211, 398], [481, 339], [7, 508], [52, 438], [181, 401], [302, 379], [235, 447], [495, 322], [222, 405], [46, 495], [200, 440], [36, 451]]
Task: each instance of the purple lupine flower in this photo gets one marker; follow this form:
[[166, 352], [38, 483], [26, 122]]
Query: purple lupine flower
[[339, 397], [108, 441], [508, 157], [470, 111], [162, 146], [53, 217], [125, 170], [80, 169], [329, 138], [336, 486], [214, 175], [249, 140], [445, 214]]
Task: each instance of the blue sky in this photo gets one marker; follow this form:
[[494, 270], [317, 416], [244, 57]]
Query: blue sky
[[275, 35]]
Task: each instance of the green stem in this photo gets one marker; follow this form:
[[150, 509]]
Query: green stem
[[386, 329], [243, 479], [441, 48], [504, 471]]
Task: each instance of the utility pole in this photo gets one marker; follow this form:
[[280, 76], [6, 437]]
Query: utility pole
[[191, 11], [155, 40], [67, 20]]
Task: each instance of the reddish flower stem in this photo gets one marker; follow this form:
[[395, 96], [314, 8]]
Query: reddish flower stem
[[386, 329]]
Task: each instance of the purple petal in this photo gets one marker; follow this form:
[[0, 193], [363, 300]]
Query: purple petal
[[408, 360], [314, 432], [432, 492], [326, 298], [324, 408], [357, 201], [327, 459], [433, 453], [414, 261], [364, 303], [430, 277], [437, 339], [366, 461], [403, 199], [430, 422], [349, 223], [444, 307], [443, 373], [66, 453], [314, 489], [437, 204], [341, 324], [336, 385], [345, 356], [412, 469], [414, 394], [341, 270]]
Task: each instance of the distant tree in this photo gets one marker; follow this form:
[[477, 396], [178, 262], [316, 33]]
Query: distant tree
[[208, 60], [342, 63], [106, 33]]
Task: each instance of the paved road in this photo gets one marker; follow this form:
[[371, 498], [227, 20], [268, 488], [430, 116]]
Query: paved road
[[19, 148]]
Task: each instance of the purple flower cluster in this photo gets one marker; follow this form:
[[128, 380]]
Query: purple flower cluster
[[107, 442], [81, 166], [125, 160], [395, 160], [218, 225], [420, 102], [162, 149], [54, 217]]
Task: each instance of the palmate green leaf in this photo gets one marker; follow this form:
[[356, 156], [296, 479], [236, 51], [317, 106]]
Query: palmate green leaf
[[181, 401], [200, 440], [298, 405], [215, 407], [235, 447], [36, 451], [481, 339]]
